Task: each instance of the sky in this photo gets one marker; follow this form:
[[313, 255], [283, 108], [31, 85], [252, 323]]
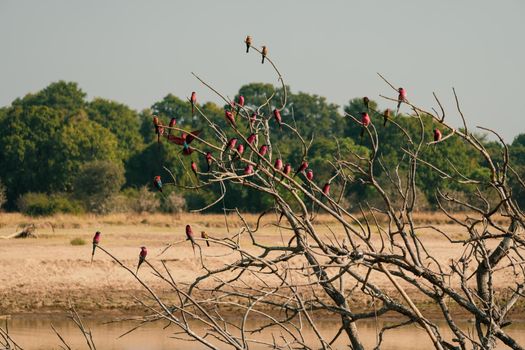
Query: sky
[[136, 52]]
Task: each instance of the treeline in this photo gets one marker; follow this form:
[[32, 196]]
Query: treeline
[[60, 152]]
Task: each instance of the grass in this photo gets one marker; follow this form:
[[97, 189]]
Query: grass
[[77, 241]]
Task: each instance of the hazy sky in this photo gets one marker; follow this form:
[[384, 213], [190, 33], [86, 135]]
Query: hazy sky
[[136, 52]]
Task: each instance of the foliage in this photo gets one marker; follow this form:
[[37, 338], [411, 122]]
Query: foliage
[[77, 241], [41, 204]]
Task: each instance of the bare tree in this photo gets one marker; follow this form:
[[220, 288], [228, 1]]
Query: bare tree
[[308, 271]]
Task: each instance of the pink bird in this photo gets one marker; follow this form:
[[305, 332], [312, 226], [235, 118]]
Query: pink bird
[[193, 100], [194, 169], [230, 117], [401, 98], [172, 124], [287, 169], [309, 174], [252, 138], [326, 189], [157, 183], [301, 168], [365, 120], [142, 257], [96, 240], [231, 143], [240, 151], [386, 116], [240, 101], [253, 118], [209, 160], [278, 164], [277, 116], [248, 170], [263, 150], [437, 135], [189, 236]]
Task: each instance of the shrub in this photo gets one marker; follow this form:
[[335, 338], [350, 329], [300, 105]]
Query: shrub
[[145, 201], [41, 204], [3, 195], [77, 241], [174, 203]]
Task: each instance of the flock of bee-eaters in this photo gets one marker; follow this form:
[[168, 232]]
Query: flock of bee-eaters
[[230, 113]]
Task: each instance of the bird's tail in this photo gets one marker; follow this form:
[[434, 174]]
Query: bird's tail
[[207, 242], [386, 119], [247, 48], [192, 109], [263, 59], [93, 253], [398, 106]]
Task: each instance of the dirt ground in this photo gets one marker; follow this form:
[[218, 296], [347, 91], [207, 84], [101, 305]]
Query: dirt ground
[[43, 274]]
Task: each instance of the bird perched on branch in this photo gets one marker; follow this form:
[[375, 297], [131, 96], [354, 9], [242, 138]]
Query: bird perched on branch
[[287, 169], [193, 100], [231, 143], [209, 160], [263, 150], [301, 168], [277, 116], [159, 130], [386, 116], [366, 102], [205, 236], [184, 138], [264, 53], [248, 170], [194, 169], [229, 116], [310, 174], [252, 138], [437, 135], [248, 42], [172, 124], [278, 164], [401, 98], [365, 121], [189, 237], [326, 189], [96, 240], [157, 183], [142, 257]]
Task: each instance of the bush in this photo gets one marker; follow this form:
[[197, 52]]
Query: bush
[[174, 203], [145, 201], [40, 204], [77, 241]]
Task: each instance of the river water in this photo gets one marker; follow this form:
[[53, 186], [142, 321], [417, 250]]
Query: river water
[[36, 333]]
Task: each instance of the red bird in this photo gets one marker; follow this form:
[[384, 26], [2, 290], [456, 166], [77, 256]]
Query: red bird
[[209, 160], [159, 130], [193, 100], [189, 236], [230, 117], [194, 168], [240, 151], [253, 118], [184, 139], [278, 164], [231, 143], [173, 122], [263, 150], [401, 98], [157, 183], [252, 138], [437, 135], [301, 168], [187, 150], [326, 189], [96, 240], [277, 116], [142, 257], [240, 101], [310, 174], [386, 116], [287, 169], [248, 170], [205, 236], [365, 120]]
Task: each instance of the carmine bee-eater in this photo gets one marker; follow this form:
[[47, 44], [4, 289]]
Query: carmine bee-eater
[[184, 138], [264, 53], [239, 153], [240, 101], [156, 124], [142, 257], [365, 121], [326, 189], [366, 102], [277, 116], [231, 143], [401, 98], [248, 42], [301, 168], [96, 240], [248, 170], [386, 116], [194, 169], [253, 118], [193, 100], [205, 236], [187, 150], [189, 237], [157, 183], [310, 174], [229, 116], [209, 160], [251, 139], [263, 150], [278, 164], [437, 135], [287, 169], [173, 122]]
